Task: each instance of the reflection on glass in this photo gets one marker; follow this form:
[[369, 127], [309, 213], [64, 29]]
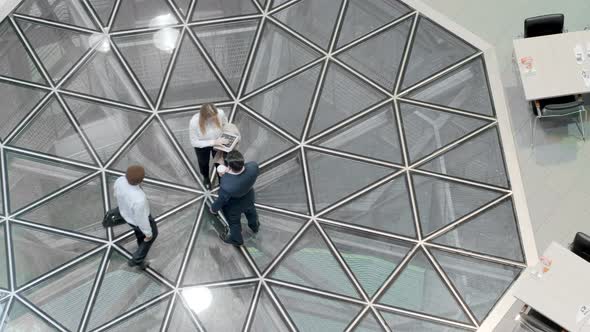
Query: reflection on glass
[[197, 298], [162, 20], [102, 41], [165, 39]]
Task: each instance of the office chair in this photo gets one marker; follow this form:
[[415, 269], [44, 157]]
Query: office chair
[[543, 25], [559, 107], [581, 246], [534, 321]]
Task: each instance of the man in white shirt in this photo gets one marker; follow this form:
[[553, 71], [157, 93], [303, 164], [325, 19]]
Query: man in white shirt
[[135, 209]]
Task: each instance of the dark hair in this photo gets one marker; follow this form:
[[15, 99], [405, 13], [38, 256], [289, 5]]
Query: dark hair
[[234, 160], [135, 174]]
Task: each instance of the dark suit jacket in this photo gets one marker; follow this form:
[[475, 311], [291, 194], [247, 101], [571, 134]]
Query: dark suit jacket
[[236, 190]]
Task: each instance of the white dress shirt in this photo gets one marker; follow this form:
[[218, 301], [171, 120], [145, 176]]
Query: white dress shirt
[[200, 140], [133, 205]]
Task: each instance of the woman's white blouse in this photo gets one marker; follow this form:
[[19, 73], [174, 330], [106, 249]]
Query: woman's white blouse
[[200, 140]]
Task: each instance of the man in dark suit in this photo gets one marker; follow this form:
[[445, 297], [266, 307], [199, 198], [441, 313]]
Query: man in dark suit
[[236, 196]]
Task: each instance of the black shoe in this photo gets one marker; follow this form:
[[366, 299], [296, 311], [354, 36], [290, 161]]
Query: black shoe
[[207, 184], [131, 263], [144, 265], [255, 229], [226, 239]]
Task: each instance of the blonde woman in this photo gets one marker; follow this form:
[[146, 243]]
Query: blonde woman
[[205, 130]]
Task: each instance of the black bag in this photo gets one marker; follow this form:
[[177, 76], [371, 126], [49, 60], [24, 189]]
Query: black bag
[[112, 218]]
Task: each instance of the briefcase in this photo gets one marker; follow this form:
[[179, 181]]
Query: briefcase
[[112, 218]]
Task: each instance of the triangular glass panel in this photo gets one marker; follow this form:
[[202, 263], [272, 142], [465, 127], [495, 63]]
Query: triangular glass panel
[[103, 9], [30, 179], [64, 295], [278, 231], [441, 202], [161, 199], [433, 49], [267, 318], [3, 305], [382, 66], [135, 14], [1, 201], [311, 313], [103, 76], [428, 130], [229, 46], [80, 210], [333, 178], [179, 126], [228, 308], [71, 12], [210, 261], [37, 252], [403, 323], [343, 95], [3, 260], [51, 43], [21, 318], [310, 263], [180, 319], [212, 9], [493, 232], [257, 141], [122, 289], [167, 252], [374, 136], [192, 81], [385, 208], [283, 186], [15, 61], [148, 55], [371, 258], [480, 283], [14, 109], [368, 324], [320, 18], [94, 118], [276, 3], [465, 88], [287, 104], [148, 320], [155, 152], [479, 159], [364, 16], [51, 132], [262, 3], [278, 54], [183, 6], [419, 288]]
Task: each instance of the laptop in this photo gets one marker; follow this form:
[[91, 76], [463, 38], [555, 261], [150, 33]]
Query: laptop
[[232, 141]]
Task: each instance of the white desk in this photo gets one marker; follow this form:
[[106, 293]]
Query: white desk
[[557, 72], [561, 291]]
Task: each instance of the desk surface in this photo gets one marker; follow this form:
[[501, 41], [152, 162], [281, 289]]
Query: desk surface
[[561, 291], [557, 72]]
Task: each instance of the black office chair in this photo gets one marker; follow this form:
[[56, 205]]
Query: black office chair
[[566, 106], [534, 321], [581, 246], [543, 25]]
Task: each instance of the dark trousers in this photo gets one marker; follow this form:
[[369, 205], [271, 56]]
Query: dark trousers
[[143, 247], [204, 156], [233, 217]]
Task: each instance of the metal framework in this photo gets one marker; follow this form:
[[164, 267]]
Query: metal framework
[[317, 219]]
